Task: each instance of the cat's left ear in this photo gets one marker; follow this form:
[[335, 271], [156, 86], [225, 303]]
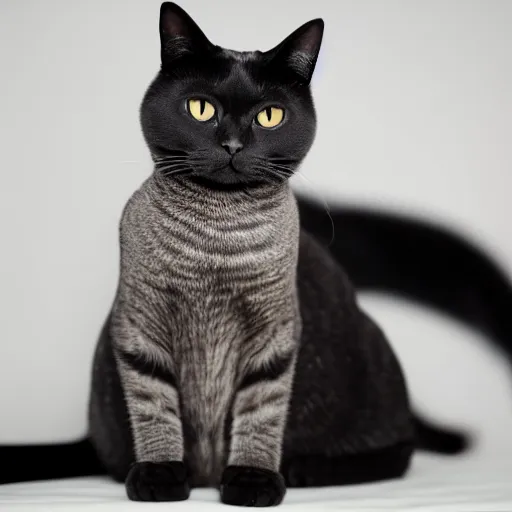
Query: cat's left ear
[[179, 34], [299, 51]]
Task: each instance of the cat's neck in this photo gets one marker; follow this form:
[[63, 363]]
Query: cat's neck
[[259, 229], [186, 194]]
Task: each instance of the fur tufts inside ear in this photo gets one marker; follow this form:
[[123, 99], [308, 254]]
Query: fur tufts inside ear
[[179, 34]]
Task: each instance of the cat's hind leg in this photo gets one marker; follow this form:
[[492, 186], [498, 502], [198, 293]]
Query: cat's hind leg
[[321, 470]]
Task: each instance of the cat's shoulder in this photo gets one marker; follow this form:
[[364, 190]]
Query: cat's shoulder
[[138, 205]]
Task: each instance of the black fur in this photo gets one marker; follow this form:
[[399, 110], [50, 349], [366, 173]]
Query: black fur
[[251, 487]]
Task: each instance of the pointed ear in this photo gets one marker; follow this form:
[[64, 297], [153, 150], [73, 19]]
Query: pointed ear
[[299, 51], [179, 34]]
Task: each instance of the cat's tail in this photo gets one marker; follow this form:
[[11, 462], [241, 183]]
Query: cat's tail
[[442, 440], [435, 267], [431, 265], [46, 462]]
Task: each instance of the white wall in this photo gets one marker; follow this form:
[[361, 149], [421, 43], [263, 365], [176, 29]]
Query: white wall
[[415, 113]]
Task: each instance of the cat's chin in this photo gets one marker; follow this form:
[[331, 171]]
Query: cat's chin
[[228, 175], [227, 179]]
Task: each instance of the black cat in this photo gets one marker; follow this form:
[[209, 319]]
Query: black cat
[[379, 252]]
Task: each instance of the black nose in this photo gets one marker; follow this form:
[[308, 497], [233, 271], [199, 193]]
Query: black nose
[[232, 146]]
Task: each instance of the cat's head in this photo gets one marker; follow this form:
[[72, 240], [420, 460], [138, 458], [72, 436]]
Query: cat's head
[[230, 118]]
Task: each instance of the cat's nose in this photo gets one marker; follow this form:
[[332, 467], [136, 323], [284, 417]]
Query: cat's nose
[[232, 146]]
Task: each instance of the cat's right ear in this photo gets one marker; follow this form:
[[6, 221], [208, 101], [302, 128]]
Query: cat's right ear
[[179, 34]]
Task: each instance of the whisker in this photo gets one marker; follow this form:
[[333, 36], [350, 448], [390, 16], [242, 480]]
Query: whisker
[[274, 176], [283, 161], [286, 173], [280, 164], [170, 166], [170, 170], [283, 170], [169, 152], [170, 161], [287, 162], [174, 172]]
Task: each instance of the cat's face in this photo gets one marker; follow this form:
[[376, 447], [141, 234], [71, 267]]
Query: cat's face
[[229, 118]]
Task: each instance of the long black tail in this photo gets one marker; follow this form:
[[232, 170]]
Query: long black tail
[[410, 258], [46, 462], [380, 252], [432, 438]]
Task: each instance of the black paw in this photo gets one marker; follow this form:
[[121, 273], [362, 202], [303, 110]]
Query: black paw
[[157, 481], [251, 487]]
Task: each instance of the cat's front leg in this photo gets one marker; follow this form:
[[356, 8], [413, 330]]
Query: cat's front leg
[[152, 400], [259, 418]]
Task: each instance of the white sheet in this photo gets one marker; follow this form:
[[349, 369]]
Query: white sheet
[[474, 484]]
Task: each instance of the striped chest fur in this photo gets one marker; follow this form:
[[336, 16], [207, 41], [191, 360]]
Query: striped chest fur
[[206, 281]]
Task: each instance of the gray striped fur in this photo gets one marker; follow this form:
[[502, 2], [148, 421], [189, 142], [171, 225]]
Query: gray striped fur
[[207, 293]]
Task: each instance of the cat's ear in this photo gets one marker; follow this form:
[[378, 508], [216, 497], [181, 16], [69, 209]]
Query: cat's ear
[[179, 34], [299, 51]]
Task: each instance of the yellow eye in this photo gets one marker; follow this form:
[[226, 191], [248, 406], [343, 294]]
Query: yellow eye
[[201, 110], [270, 117]]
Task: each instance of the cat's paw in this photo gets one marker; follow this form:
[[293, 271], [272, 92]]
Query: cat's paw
[[251, 487], [157, 481]]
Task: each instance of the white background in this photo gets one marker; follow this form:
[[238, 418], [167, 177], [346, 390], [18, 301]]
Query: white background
[[415, 114]]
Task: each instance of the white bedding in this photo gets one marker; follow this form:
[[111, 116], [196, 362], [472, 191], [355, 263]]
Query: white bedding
[[454, 377], [474, 484]]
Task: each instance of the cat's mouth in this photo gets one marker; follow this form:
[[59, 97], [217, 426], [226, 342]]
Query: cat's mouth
[[228, 177], [229, 174], [232, 167]]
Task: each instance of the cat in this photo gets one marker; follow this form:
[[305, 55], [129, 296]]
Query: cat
[[242, 357], [235, 354]]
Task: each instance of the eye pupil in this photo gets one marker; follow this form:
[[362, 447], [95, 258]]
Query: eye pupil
[[202, 106], [268, 111]]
